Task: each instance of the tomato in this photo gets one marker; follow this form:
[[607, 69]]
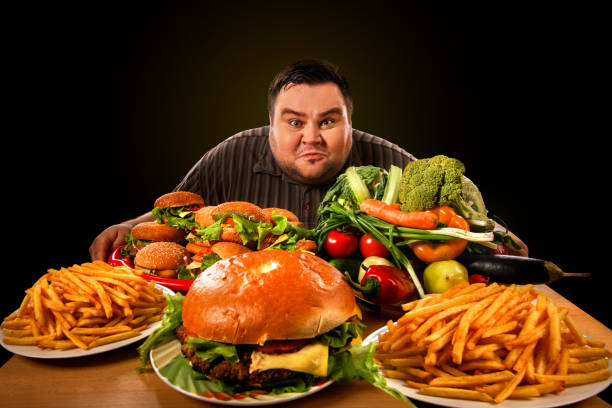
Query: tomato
[[368, 246], [340, 244], [281, 346]]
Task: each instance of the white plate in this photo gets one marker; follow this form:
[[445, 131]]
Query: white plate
[[569, 395], [165, 353], [36, 352]]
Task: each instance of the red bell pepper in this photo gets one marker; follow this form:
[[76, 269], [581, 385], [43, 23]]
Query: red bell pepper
[[116, 259], [385, 285]]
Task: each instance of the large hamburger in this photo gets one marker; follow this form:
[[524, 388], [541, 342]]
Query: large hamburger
[[177, 209], [275, 321]]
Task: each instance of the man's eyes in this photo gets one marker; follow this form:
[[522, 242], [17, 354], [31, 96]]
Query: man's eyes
[[299, 123]]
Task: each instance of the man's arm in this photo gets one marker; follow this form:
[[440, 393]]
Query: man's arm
[[114, 236]]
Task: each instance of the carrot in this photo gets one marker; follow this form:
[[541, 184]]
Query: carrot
[[391, 214]]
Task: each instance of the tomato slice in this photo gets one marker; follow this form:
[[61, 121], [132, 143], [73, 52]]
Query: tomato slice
[[281, 346], [197, 257]]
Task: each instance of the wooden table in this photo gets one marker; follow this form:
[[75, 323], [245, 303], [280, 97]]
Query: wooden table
[[110, 379]]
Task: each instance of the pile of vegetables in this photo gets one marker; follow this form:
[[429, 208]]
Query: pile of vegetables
[[429, 211]]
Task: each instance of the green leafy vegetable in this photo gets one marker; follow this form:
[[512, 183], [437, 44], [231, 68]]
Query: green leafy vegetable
[[171, 217], [172, 319], [210, 351], [355, 185]]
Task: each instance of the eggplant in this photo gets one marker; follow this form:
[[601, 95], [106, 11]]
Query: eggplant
[[514, 269]]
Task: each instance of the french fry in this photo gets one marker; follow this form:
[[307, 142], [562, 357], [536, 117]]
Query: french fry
[[84, 306], [587, 366], [489, 343], [460, 393], [590, 352], [575, 378], [511, 386], [478, 379]]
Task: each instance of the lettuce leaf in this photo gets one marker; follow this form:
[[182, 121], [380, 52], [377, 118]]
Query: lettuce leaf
[[172, 219], [209, 350], [171, 320], [366, 369], [342, 335]]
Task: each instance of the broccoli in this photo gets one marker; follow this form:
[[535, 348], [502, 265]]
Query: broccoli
[[440, 180]]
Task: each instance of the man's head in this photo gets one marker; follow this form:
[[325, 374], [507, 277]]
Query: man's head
[[310, 120]]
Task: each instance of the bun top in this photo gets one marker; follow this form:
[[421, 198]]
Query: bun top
[[162, 255], [203, 217], [267, 295], [291, 217], [179, 199], [154, 231], [243, 209], [228, 249]]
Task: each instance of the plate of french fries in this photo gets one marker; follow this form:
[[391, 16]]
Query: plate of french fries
[[83, 310], [481, 345]]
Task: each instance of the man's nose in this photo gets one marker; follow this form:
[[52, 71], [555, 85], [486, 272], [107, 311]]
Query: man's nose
[[311, 134]]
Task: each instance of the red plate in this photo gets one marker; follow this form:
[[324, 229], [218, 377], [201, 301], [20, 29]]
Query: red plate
[[180, 285]]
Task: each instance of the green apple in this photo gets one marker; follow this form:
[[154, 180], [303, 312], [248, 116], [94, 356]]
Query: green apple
[[442, 275]]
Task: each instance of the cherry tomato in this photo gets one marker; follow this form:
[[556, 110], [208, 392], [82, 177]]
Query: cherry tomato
[[368, 246], [340, 244]]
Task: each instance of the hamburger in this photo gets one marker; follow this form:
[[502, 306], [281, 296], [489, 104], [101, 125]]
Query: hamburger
[[164, 259], [249, 225], [207, 257], [267, 318], [177, 209], [266, 321], [146, 233]]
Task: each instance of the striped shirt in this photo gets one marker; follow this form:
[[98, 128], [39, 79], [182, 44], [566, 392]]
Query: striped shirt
[[242, 168]]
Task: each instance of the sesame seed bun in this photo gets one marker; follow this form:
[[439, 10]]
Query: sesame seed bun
[[161, 256], [291, 217], [243, 209], [179, 199], [154, 231]]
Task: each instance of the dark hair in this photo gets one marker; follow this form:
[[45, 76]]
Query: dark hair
[[309, 72]]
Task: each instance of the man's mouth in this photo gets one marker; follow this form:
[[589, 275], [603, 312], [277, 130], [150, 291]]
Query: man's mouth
[[313, 155]]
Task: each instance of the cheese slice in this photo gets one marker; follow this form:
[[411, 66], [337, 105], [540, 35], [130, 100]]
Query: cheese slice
[[311, 359]]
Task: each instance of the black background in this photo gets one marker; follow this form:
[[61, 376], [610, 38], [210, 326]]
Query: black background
[[110, 104]]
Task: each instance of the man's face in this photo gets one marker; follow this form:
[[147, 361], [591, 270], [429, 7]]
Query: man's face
[[310, 131]]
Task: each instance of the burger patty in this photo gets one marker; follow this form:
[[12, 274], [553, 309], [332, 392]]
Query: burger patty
[[232, 372]]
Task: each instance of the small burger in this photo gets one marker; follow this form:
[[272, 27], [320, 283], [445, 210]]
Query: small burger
[[148, 232], [207, 257], [247, 224], [177, 209], [164, 259]]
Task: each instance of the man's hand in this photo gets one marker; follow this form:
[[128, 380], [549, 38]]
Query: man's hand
[[108, 240]]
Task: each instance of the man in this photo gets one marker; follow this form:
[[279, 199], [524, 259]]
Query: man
[[292, 162]]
